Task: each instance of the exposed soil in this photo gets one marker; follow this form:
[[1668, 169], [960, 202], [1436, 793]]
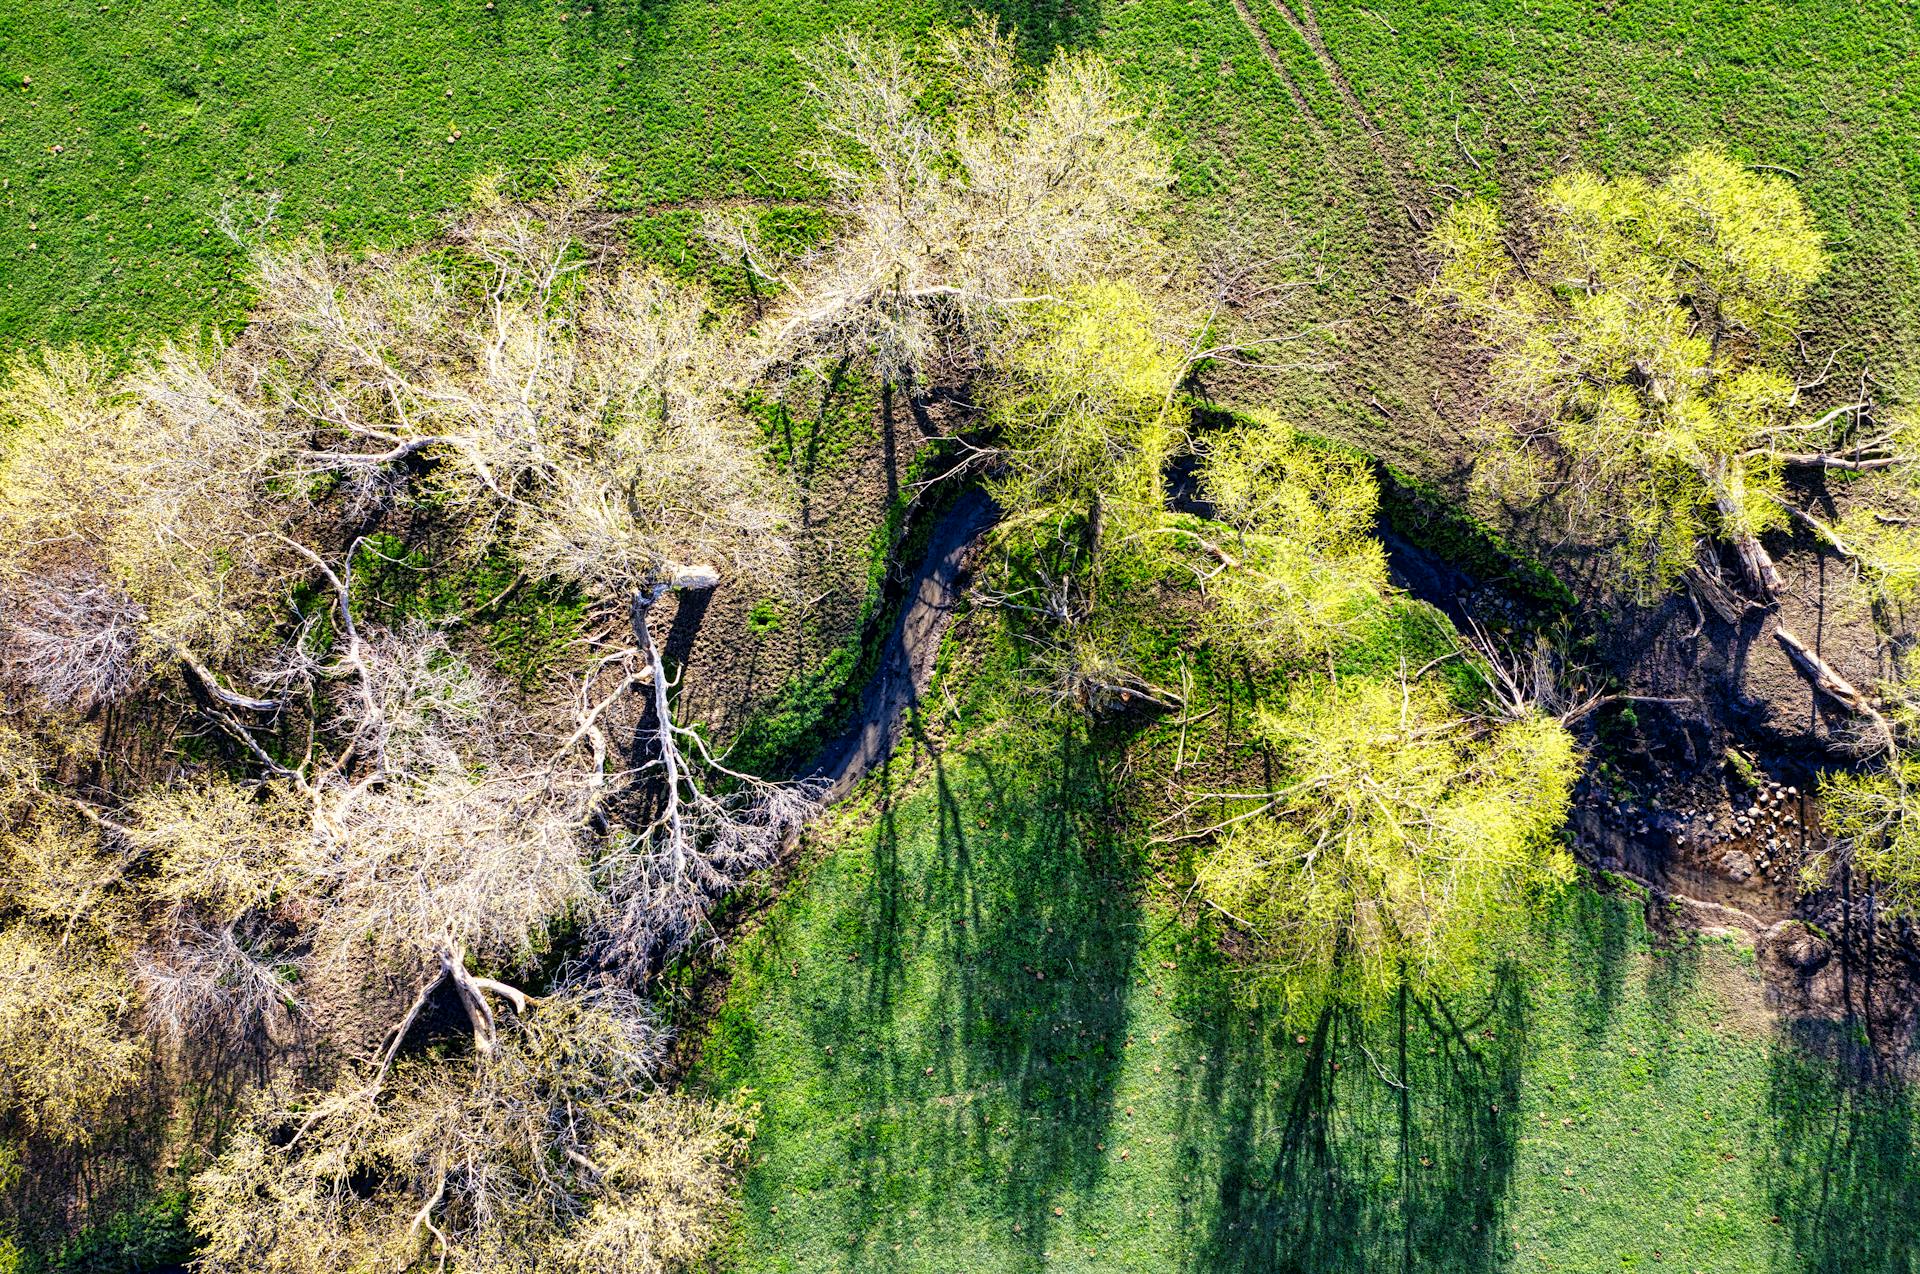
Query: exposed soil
[[1707, 803]]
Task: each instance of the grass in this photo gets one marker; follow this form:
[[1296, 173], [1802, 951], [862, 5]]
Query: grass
[[529, 626], [977, 1045], [128, 128]]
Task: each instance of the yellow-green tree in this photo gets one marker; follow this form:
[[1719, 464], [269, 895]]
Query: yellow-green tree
[[1404, 841], [1084, 407], [1307, 570], [1871, 816], [1642, 326], [1413, 820]]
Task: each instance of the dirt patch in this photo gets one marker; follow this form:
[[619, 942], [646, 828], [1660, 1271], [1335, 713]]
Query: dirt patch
[[738, 647]]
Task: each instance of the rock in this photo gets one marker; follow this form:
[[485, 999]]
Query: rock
[[1799, 946], [1737, 866]]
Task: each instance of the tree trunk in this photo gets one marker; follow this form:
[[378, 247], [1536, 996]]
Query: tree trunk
[[1756, 564]]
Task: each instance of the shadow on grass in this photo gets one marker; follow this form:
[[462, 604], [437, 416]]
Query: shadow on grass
[[1356, 1145], [1597, 932], [1841, 1167], [1025, 912], [1043, 26]]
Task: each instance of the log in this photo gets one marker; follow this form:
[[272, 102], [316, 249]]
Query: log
[[1828, 681]]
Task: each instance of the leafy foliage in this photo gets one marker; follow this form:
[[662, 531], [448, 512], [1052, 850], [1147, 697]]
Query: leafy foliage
[[966, 190], [1640, 329], [1403, 843], [65, 1052], [1311, 570], [1083, 404]]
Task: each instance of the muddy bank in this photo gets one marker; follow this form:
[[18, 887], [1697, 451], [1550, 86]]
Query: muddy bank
[[906, 659], [1707, 803]]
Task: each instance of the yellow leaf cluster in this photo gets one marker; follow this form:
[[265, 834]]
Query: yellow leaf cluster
[[1406, 841]]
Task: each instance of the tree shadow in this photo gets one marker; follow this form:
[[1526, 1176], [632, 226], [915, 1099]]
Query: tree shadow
[[1840, 1163], [992, 998], [1047, 958], [1385, 1145], [1043, 26], [1596, 930]]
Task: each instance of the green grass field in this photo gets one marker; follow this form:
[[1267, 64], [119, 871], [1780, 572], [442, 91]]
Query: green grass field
[[979, 1046], [126, 129]]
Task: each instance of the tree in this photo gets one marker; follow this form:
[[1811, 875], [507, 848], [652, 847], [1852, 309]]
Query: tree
[[68, 1043], [1403, 842], [967, 191], [591, 415], [1408, 820], [1306, 570], [1642, 330], [65, 1047], [554, 1152], [124, 539], [1871, 816], [1083, 406], [391, 823]]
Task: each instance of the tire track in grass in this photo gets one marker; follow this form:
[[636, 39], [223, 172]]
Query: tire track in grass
[[1287, 81], [1394, 362], [1306, 25]]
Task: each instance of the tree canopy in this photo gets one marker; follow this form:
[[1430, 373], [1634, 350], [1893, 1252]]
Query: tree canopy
[[1642, 327]]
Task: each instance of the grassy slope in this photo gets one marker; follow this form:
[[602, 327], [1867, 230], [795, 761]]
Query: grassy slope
[[977, 1048]]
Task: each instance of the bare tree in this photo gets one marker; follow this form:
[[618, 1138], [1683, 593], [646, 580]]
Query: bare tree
[[955, 220], [125, 524], [555, 1151]]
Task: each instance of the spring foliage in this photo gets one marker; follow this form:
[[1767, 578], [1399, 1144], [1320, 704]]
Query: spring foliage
[[1643, 328], [1405, 840], [1083, 403], [122, 516], [65, 1051], [1409, 825], [389, 819], [967, 189], [1871, 816], [1310, 570]]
